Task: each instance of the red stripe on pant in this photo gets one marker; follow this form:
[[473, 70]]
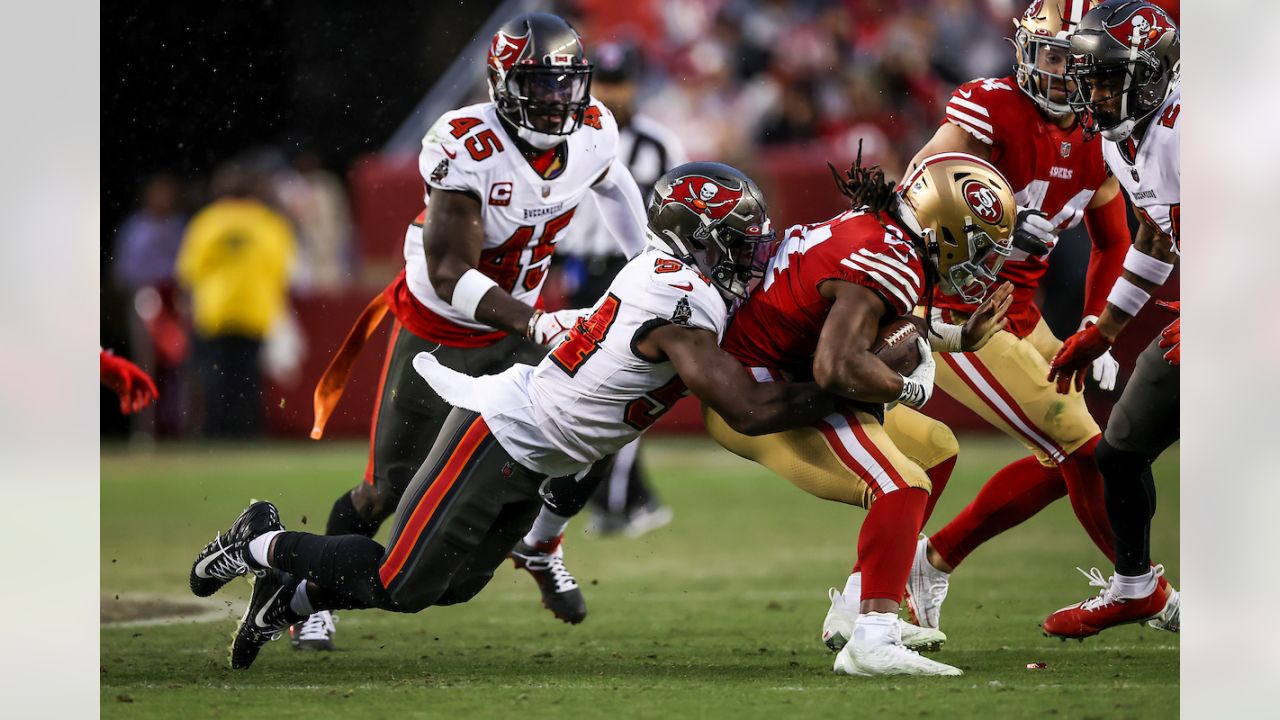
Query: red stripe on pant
[[426, 507], [842, 453], [1036, 441], [377, 399]]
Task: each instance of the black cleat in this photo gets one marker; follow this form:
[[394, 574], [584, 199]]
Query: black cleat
[[560, 592], [267, 616], [314, 633], [227, 556]]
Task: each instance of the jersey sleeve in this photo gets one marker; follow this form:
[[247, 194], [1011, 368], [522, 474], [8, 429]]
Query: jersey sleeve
[[684, 297], [445, 163], [889, 267], [984, 108]]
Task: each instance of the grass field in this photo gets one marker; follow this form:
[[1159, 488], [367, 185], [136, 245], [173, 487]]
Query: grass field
[[717, 615]]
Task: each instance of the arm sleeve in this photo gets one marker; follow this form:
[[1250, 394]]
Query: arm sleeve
[[670, 299], [621, 208], [896, 283], [1109, 232]]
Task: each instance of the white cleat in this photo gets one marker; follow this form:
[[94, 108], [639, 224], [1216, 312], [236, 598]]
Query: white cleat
[[921, 639], [888, 656], [837, 628], [1170, 618], [926, 588]]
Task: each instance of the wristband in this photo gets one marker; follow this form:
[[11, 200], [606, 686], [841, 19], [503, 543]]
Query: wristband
[[1147, 267], [532, 327], [946, 337], [468, 291], [1127, 297]]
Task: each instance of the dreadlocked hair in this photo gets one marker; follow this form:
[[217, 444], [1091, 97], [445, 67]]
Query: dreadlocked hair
[[866, 188]]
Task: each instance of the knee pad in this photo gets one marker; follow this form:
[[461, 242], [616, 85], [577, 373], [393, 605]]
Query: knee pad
[[1116, 464]]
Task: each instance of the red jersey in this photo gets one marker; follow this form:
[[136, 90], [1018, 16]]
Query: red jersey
[[1052, 170], [777, 327]]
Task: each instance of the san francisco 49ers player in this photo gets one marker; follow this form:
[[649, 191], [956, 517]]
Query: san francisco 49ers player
[[1125, 56], [654, 335], [504, 180], [1025, 126], [826, 292]]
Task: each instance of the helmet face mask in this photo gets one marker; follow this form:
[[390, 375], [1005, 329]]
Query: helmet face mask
[[972, 278], [1041, 45], [539, 78]]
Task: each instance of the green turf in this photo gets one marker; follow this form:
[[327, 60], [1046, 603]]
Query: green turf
[[716, 615]]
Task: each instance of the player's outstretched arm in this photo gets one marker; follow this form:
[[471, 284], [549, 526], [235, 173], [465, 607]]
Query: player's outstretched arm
[[843, 363], [949, 138], [621, 207], [453, 236], [720, 381]]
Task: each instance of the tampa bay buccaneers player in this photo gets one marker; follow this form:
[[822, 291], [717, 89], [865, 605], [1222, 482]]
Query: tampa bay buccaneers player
[[1126, 59], [503, 182], [827, 290], [1025, 126], [654, 335]]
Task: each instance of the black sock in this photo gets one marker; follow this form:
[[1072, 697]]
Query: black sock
[[345, 520], [346, 564], [1131, 503]]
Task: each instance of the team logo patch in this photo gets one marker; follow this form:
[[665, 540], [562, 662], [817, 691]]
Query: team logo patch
[[704, 196], [591, 117], [1143, 29], [442, 169], [983, 201], [506, 49], [682, 313]]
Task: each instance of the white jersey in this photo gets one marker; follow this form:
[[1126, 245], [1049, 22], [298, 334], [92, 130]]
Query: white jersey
[[594, 393], [648, 150], [1151, 178], [523, 214]]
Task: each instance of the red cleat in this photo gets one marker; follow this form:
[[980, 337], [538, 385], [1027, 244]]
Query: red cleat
[[1096, 614]]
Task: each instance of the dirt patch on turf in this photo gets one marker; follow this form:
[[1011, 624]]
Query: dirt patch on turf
[[122, 609]]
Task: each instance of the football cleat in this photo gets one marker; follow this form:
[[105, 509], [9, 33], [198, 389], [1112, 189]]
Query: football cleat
[[314, 633], [837, 627], [560, 592], [227, 556], [267, 616], [633, 523], [921, 639], [888, 657], [1107, 610], [1169, 618], [926, 588]]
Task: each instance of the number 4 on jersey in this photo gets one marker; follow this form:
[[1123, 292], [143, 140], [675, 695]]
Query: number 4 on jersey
[[584, 339]]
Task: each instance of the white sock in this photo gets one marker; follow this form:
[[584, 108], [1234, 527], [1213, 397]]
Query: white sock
[[546, 528], [1136, 587], [875, 628], [853, 589], [300, 603], [260, 547]]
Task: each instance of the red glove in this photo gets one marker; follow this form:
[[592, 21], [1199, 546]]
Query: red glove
[[1171, 338], [135, 388], [1075, 358]]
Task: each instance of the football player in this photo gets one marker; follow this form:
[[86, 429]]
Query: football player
[[504, 180], [652, 337], [1025, 126], [1125, 58], [826, 292]]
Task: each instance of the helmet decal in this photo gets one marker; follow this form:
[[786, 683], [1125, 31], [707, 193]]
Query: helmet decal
[[983, 201], [704, 196], [1142, 29], [506, 49], [1034, 10]]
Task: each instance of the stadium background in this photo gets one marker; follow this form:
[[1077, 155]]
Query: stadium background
[[777, 88]]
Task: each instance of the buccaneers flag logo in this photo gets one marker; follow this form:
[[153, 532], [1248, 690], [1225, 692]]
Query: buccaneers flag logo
[[1143, 28], [505, 49], [703, 196], [983, 201], [591, 117]]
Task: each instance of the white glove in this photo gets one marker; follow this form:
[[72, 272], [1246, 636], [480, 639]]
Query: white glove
[[1106, 367], [1033, 233], [917, 387], [550, 328]]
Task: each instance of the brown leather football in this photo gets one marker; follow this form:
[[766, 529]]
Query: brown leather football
[[895, 344]]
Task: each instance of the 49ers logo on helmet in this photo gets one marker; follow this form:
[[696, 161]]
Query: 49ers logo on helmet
[[1034, 10], [1143, 28], [505, 50], [983, 201], [703, 196]]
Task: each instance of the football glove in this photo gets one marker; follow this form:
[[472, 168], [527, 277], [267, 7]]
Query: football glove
[[1075, 358], [1033, 233], [1106, 367], [917, 387], [1171, 337], [135, 388], [550, 328]]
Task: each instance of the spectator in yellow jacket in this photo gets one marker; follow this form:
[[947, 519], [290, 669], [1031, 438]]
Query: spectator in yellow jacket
[[235, 262]]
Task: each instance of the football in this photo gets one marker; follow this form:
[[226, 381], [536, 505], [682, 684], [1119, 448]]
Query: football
[[895, 344]]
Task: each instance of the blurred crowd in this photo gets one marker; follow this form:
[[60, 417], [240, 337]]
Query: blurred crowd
[[209, 269]]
